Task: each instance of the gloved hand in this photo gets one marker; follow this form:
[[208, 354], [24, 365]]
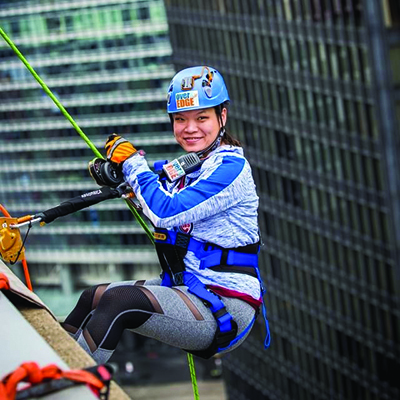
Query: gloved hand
[[118, 149]]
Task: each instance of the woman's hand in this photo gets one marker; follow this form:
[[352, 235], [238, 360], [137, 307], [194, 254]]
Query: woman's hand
[[118, 149]]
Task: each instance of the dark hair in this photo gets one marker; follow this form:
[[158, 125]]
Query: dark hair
[[227, 138]]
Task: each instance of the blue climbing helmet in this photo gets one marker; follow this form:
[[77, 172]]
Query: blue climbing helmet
[[196, 88]]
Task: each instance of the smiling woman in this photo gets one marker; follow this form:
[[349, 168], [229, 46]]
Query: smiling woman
[[197, 129], [206, 233]]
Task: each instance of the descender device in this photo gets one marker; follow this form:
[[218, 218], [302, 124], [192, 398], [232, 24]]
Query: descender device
[[11, 243]]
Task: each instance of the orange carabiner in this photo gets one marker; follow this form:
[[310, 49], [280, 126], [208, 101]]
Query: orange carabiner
[[9, 240]]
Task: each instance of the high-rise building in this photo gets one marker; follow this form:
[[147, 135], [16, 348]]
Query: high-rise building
[[108, 62], [315, 89]]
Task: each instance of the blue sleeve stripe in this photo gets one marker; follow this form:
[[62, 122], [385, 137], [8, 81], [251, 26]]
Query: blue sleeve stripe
[[165, 205]]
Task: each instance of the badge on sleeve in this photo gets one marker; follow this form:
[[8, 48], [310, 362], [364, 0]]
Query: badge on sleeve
[[186, 228]]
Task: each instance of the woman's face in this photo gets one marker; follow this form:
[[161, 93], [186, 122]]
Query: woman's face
[[195, 130]]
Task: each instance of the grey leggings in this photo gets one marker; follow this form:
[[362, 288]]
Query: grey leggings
[[170, 315]]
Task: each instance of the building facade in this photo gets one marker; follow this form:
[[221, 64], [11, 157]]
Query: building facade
[[315, 91], [109, 64]]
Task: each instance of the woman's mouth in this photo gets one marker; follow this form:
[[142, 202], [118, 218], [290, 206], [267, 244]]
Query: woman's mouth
[[192, 139]]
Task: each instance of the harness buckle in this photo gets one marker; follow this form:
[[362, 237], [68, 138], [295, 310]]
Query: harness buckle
[[224, 339], [224, 319], [178, 278]]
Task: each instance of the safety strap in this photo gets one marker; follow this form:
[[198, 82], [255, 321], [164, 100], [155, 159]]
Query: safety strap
[[171, 255], [267, 340], [55, 379], [226, 326]]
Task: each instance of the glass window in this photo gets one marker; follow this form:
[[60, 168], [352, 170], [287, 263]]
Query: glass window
[[250, 44], [372, 123], [304, 59], [347, 166], [367, 166], [286, 60], [306, 9], [351, 121], [294, 55], [143, 13], [15, 27], [301, 103], [334, 61], [358, 170], [274, 97], [323, 59], [266, 96], [311, 106], [312, 51], [397, 110], [355, 63], [340, 111], [391, 11], [259, 51], [292, 101], [364, 65], [394, 57], [345, 67]]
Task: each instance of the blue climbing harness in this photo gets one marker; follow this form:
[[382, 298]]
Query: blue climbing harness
[[171, 249]]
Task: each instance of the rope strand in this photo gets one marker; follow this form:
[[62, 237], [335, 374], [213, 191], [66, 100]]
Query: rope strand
[[193, 376]]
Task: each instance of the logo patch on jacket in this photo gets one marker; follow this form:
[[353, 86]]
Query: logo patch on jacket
[[186, 228]]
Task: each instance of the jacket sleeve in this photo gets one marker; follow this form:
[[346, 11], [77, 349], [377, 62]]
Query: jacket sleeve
[[221, 185]]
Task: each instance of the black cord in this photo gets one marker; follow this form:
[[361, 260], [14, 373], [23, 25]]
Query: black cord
[[23, 243]]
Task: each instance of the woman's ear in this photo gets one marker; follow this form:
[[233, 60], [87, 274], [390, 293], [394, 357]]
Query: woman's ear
[[224, 115]]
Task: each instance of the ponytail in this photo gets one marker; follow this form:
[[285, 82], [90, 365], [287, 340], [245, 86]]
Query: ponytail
[[227, 138]]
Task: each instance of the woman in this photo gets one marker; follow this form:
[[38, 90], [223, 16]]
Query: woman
[[206, 232]]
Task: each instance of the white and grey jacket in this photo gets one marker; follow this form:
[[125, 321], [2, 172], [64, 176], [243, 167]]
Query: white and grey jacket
[[217, 203]]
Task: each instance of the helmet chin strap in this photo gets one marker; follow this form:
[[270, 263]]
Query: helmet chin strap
[[213, 145]]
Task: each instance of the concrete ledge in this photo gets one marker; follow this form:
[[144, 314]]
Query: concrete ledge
[[41, 320]]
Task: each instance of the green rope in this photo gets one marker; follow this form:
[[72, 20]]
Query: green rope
[[98, 154], [193, 376]]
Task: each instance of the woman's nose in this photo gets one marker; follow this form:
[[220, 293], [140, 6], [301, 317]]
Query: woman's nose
[[191, 126]]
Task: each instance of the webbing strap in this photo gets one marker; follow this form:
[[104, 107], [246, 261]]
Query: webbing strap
[[171, 258], [215, 256], [267, 340], [217, 307], [226, 326]]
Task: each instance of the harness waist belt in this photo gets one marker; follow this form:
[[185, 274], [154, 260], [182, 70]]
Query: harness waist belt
[[240, 260]]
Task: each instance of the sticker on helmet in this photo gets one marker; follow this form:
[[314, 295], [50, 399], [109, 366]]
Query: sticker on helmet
[[187, 99]]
